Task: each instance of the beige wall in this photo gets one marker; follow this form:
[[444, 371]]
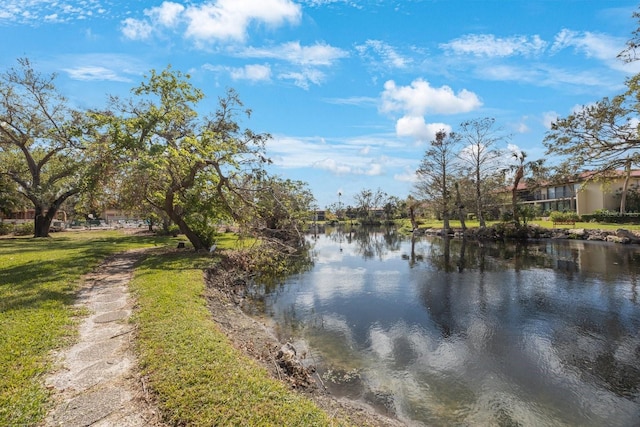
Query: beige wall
[[594, 195], [590, 198]]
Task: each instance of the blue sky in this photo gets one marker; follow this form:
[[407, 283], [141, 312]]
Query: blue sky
[[352, 91]]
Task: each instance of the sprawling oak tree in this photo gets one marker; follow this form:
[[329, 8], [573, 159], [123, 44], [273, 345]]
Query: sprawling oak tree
[[186, 165], [42, 149]]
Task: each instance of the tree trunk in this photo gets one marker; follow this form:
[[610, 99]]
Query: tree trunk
[[514, 194], [41, 226], [42, 221], [412, 216], [197, 242], [479, 199], [479, 208], [625, 187], [445, 220], [460, 208]]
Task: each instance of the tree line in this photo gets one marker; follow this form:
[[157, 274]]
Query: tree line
[[152, 154], [155, 155], [467, 170]]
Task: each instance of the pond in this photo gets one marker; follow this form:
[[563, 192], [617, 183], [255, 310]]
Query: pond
[[443, 332]]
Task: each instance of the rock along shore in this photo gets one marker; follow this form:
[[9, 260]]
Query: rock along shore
[[507, 231]]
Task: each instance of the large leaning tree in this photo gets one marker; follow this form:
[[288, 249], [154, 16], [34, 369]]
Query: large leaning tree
[[42, 146], [602, 138], [186, 165]]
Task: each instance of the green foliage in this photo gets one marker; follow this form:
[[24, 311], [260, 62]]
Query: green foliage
[[564, 216], [281, 204], [632, 198], [612, 217], [510, 230], [42, 149], [5, 228], [174, 160], [24, 229], [601, 137]]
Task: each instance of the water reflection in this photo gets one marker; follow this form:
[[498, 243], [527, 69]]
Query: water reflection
[[453, 332]]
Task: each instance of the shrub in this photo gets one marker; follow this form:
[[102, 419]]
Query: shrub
[[5, 228], [603, 215], [24, 229], [506, 216], [557, 216]]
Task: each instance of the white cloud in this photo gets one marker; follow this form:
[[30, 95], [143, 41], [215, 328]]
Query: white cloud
[[333, 166], [220, 20], [356, 156], [319, 54], [107, 67], [354, 100], [253, 72], [87, 73], [384, 53], [415, 127], [601, 47], [230, 19], [304, 78], [340, 168], [374, 169], [135, 29], [488, 45], [34, 12], [408, 175], [307, 59], [420, 98], [167, 14], [594, 45], [522, 127]]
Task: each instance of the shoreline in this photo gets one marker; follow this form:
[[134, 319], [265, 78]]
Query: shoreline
[[225, 294]]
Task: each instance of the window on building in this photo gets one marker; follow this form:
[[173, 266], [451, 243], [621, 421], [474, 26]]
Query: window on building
[[551, 193]]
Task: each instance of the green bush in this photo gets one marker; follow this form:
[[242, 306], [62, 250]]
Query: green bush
[[557, 216], [506, 216], [24, 229], [614, 217], [5, 228]]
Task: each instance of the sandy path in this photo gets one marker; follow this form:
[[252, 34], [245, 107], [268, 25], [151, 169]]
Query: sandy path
[[97, 383]]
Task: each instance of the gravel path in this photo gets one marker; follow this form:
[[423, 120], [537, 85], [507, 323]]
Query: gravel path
[[97, 383]]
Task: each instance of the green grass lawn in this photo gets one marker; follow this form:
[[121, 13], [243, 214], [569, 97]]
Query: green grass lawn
[[38, 282], [199, 377]]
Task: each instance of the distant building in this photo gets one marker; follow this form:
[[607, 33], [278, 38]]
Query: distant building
[[578, 195]]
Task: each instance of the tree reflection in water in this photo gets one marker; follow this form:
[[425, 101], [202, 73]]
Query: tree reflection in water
[[458, 332]]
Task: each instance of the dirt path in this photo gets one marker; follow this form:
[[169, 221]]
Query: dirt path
[[97, 383]]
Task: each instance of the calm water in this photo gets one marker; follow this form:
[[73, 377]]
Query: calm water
[[444, 333]]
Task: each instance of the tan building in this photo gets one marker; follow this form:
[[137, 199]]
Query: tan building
[[580, 195]]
